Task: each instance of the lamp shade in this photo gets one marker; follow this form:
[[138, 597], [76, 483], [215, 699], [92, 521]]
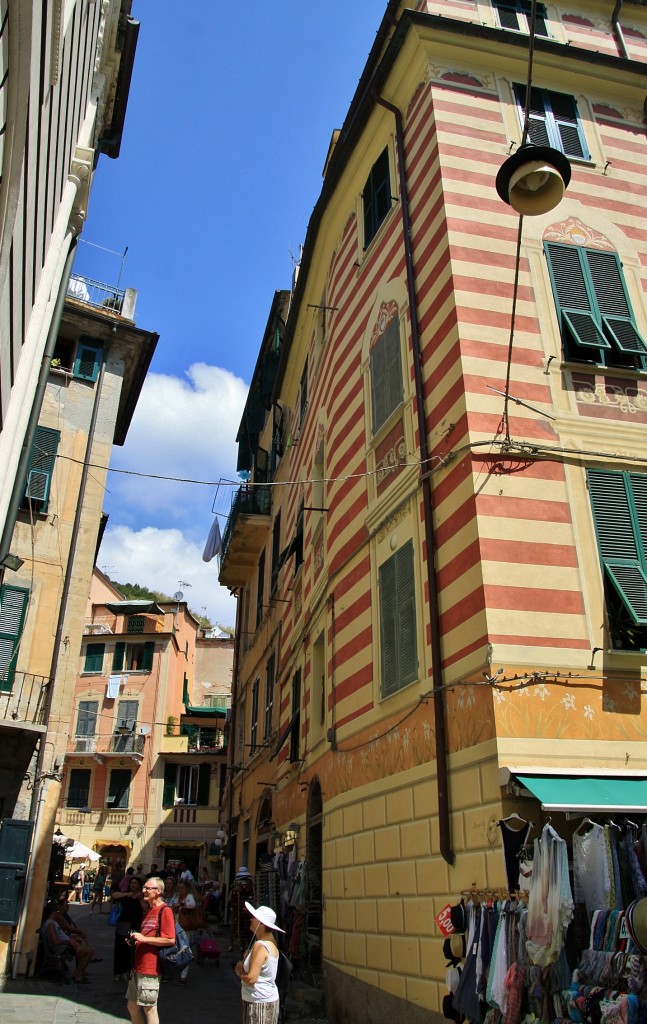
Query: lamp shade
[[533, 180]]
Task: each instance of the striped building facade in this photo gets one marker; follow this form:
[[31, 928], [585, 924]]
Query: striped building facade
[[441, 556]]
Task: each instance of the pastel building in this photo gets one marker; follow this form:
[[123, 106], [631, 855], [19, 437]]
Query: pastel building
[[439, 556]]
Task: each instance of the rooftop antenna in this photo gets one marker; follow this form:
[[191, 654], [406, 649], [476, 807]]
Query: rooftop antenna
[[121, 268]]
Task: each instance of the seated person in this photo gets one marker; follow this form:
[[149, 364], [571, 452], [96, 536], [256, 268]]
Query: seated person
[[61, 942], [78, 937]]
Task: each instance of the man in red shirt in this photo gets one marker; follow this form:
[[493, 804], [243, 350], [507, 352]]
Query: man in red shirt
[[158, 929]]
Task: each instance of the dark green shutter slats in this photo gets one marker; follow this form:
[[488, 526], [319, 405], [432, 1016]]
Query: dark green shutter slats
[[149, 650], [568, 277], [509, 16], [87, 362], [78, 794], [399, 657], [94, 657], [41, 465], [553, 121], [13, 607], [619, 503], [606, 274], [118, 658], [584, 329], [119, 788], [386, 374], [204, 781], [170, 776]]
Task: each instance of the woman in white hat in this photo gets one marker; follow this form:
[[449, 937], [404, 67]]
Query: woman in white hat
[[257, 971]]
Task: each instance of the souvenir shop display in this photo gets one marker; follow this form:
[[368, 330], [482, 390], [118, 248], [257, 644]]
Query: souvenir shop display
[[566, 941]]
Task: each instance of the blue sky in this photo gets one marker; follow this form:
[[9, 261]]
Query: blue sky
[[229, 118]]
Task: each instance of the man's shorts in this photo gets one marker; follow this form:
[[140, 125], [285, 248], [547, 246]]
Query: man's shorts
[[143, 989]]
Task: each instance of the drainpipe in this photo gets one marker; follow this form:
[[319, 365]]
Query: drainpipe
[[617, 30], [430, 538], [45, 366]]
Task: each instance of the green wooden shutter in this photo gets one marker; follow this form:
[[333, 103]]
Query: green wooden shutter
[[617, 526], [15, 843], [86, 722], [118, 657], [407, 646], [94, 657], [88, 360], [119, 788], [204, 781], [170, 779], [399, 653], [78, 791], [577, 312], [568, 127], [13, 608], [613, 302], [41, 467], [386, 374], [538, 129], [388, 627], [147, 660]]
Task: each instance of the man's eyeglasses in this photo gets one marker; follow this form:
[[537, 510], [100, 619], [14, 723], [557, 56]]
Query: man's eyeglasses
[[150, 888]]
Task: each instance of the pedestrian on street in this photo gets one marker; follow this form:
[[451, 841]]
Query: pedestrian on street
[[257, 970], [98, 887], [133, 908], [158, 930]]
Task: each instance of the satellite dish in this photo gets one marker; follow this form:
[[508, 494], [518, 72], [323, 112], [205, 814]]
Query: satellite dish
[[178, 595], [144, 730]]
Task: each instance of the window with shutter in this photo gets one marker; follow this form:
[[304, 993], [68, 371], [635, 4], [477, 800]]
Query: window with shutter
[[88, 360], [13, 608], [399, 657], [170, 779], [553, 121], [40, 468], [86, 721], [204, 783], [119, 789], [78, 790], [376, 197], [515, 15], [269, 697], [260, 590], [94, 657], [619, 504], [595, 317], [253, 723], [386, 374], [295, 730]]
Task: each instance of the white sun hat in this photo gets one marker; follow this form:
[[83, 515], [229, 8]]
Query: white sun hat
[[266, 916]]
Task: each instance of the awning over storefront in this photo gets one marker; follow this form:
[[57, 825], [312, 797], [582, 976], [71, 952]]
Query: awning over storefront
[[587, 793], [100, 843], [182, 844]]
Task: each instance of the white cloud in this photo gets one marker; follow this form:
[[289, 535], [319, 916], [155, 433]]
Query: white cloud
[[184, 428], [160, 559]]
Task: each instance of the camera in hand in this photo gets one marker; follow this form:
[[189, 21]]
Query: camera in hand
[[130, 941]]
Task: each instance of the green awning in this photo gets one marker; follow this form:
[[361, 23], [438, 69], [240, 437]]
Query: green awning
[[586, 792]]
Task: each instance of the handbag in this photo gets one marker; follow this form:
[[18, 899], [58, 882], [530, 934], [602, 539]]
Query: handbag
[[192, 918], [115, 913], [179, 955]]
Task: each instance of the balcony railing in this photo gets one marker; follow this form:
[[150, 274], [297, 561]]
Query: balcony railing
[[247, 501], [203, 741], [24, 699], [96, 293], [113, 743]]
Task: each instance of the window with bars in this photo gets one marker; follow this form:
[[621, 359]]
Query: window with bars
[[376, 197], [386, 374], [553, 120], [516, 14], [399, 658], [40, 469], [13, 608], [619, 505], [596, 320]]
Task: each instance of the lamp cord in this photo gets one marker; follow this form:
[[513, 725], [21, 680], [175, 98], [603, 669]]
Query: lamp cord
[[505, 419]]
